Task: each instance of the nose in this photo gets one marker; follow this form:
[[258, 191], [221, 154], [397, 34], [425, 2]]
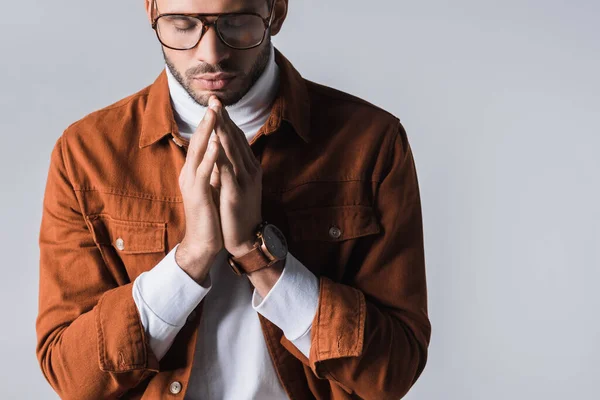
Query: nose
[[211, 49]]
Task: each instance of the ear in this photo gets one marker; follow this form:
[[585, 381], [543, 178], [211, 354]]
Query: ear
[[279, 13], [150, 9]]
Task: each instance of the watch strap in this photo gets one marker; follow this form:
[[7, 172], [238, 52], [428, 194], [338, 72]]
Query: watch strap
[[250, 262]]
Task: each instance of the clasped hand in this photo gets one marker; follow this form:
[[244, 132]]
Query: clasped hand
[[221, 184]]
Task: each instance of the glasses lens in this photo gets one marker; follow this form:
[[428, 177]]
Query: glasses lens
[[183, 32], [241, 31], [178, 31]]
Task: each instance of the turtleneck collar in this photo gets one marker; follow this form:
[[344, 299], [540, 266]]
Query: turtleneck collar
[[249, 114]]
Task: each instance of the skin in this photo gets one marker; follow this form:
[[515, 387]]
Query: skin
[[212, 56], [221, 184]]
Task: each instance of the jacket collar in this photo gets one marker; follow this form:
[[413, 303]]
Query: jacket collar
[[291, 104]]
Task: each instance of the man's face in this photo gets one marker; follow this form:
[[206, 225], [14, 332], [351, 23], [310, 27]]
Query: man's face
[[211, 56]]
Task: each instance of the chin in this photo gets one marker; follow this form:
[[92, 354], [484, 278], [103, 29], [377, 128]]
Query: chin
[[225, 95]]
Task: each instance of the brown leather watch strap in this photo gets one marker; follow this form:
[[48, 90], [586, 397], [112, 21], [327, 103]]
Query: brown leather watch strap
[[250, 262]]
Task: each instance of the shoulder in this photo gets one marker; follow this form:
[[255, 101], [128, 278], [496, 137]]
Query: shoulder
[[337, 97], [346, 123], [348, 116], [121, 115], [342, 109]]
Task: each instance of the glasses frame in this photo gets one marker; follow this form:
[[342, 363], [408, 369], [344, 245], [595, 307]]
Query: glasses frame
[[206, 25]]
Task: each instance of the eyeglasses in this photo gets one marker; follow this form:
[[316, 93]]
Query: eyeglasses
[[238, 30]]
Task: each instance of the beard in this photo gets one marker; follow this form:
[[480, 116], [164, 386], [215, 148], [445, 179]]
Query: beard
[[226, 98]]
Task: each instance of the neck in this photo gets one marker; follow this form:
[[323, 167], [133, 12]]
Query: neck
[[249, 113]]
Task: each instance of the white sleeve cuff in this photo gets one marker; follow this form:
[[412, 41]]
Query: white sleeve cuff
[[165, 296], [292, 303], [169, 292]]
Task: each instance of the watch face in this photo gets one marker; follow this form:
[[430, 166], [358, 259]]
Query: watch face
[[275, 241]]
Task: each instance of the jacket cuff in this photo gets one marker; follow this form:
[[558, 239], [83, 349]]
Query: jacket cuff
[[339, 326], [122, 342]]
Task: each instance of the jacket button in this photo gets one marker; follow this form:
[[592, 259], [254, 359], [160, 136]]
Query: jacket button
[[175, 387], [335, 232], [120, 244]]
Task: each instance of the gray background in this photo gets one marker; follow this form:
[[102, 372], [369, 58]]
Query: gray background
[[501, 103]]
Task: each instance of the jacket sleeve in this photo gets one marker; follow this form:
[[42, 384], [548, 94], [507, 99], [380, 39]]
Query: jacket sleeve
[[371, 336], [90, 340]]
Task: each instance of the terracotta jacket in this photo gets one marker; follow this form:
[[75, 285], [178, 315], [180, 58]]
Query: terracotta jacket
[[330, 160]]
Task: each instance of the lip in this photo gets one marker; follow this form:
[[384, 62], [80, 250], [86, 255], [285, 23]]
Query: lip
[[214, 82], [215, 77]]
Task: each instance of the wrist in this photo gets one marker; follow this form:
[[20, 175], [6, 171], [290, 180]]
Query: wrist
[[268, 246], [195, 264], [244, 248], [264, 280]]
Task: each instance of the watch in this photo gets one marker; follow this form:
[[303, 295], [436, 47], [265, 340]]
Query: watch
[[270, 247]]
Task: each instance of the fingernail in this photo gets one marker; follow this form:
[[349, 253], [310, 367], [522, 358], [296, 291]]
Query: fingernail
[[213, 104]]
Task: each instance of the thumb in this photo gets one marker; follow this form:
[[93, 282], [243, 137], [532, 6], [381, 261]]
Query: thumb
[[225, 169], [216, 194], [215, 177], [215, 185]]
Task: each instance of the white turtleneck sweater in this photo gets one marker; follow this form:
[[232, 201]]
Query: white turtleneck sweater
[[230, 341], [249, 114]]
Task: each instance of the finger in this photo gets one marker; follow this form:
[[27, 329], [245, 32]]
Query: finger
[[239, 143], [228, 143], [204, 170], [240, 140], [199, 143], [216, 196], [247, 155], [215, 177], [226, 171]]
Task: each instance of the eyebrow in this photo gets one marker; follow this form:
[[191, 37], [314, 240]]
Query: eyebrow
[[245, 9]]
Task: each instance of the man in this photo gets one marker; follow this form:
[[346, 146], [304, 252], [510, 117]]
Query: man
[[232, 231]]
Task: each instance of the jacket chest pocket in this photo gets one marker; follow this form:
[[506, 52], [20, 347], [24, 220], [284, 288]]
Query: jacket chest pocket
[[325, 239], [128, 247]]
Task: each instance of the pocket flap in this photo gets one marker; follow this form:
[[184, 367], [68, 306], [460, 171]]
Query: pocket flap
[[128, 237], [332, 223]]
